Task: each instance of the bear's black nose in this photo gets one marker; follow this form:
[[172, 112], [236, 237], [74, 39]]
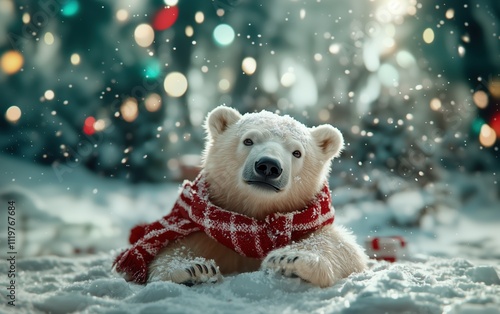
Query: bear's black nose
[[268, 168]]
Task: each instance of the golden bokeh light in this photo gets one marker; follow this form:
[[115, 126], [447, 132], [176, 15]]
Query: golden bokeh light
[[249, 65], [199, 17], [189, 31], [13, 114], [494, 88], [122, 15], [12, 61], [48, 38], [450, 13], [26, 18], [175, 84], [153, 102], [487, 136], [224, 85], [144, 35], [324, 115], [75, 59], [99, 125], [435, 104], [480, 99], [129, 109], [49, 94], [428, 35]]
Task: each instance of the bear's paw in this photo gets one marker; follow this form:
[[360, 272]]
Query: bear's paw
[[189, 273], [308, 266]]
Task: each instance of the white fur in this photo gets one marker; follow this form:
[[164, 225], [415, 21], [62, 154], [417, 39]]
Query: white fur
[[321, 258]]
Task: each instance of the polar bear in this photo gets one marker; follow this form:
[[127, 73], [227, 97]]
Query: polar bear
[[259, 164]]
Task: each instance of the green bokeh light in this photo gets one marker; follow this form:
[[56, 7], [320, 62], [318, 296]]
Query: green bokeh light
[[70, 8], [223, 35], [476, 125], [152, 69]]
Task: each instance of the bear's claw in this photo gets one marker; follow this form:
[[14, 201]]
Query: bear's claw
[[305, 265], [198, 273], [190, 273]]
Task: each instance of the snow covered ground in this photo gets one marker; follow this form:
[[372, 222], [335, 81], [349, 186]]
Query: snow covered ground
[[69, 228]]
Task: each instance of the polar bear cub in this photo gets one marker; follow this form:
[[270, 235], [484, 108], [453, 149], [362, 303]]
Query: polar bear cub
[[257, 164]]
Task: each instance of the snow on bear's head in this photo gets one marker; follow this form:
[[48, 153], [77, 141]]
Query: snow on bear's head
[[259, 163]]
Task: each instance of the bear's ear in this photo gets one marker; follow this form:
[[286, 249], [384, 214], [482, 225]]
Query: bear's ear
[[220, 119], [328, 139]]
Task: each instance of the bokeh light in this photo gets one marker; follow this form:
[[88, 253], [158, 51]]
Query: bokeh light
[[152, 69], [388, 75], [223, 35], [12, 61], [99, 125], [487, 136], [122, 15], [165, 18], [175, 84], [435, 104], [495, 124], [75, 59], [26, 18], [189, 31], [461, 51], [48, 38], [70, 7], [171, 2], [480, 99], [428, 35], [249, 65], [49, 94], [88, 125], [405, 59], [129, 110], [224, 85], [144, 35], [302, 13], [450, 13], [287, 79], [13, 114], [494, 88], [153, 102], [477, 124], [199, 17], [324, 115], [334, 49]]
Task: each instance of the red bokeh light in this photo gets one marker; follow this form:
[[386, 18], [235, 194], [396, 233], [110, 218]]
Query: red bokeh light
[[165, 18], [495, 123], [88, 126]]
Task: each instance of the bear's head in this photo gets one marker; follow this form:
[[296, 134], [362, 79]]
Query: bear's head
[[259, 163]]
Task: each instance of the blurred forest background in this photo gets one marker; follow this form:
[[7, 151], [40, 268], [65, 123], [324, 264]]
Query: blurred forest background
[[122, 87]]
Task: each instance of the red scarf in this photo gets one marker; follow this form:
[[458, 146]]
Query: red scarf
[[249, 237]]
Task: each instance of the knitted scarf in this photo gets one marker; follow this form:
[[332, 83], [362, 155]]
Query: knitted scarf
[[193, 212]]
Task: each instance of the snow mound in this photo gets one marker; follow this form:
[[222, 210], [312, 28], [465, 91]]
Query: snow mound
[[88, 285]]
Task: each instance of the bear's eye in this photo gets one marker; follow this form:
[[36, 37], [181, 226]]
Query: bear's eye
[[247, 142], [297, 154]]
